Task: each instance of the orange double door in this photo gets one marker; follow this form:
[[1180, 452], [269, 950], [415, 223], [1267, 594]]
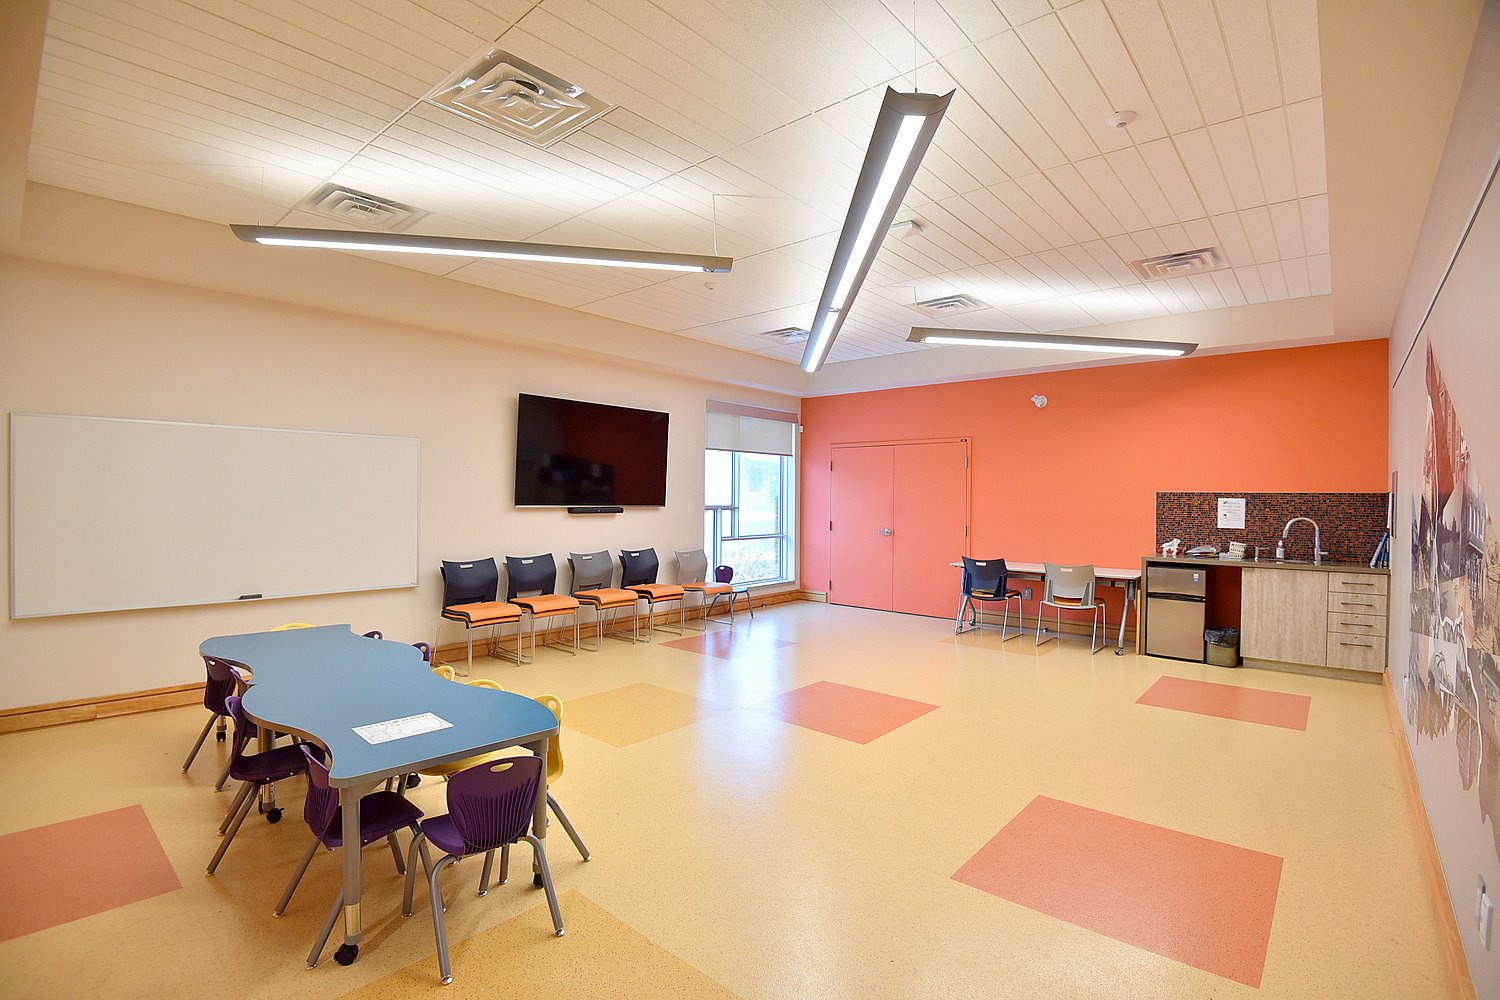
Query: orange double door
[[899, 514]]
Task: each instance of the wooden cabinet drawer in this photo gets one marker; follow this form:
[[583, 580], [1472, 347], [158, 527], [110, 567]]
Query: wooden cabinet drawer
[[1357, 583], [1365, 625], [1357, 604], [1354, 652]]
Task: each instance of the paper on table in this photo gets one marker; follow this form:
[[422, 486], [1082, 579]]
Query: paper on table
[[399, 729]]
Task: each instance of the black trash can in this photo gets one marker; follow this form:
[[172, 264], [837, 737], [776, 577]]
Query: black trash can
[[1222, 646]]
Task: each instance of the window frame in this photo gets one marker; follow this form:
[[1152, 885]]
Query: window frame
[[785, 517]]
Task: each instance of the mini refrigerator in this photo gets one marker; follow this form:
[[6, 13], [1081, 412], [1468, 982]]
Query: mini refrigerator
[[1176, 604]]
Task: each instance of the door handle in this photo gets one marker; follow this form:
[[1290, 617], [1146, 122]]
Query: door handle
[[886, 531]]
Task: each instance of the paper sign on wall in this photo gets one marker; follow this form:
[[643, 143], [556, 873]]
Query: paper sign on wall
[[1231, 512]]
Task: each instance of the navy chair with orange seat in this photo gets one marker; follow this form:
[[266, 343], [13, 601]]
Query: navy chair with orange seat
[[638, 571], [469, 590], [531, 585]]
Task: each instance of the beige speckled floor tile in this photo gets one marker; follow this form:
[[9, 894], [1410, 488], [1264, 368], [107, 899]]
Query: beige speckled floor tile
[[638, 712], [600, 956]]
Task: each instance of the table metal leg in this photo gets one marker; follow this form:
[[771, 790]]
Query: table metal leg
[[1125, 616], [539, 808], [268, 790], [353, 925]]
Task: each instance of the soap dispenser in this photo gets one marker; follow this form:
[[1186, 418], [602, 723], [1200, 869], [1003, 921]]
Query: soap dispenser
[[1281, 550]]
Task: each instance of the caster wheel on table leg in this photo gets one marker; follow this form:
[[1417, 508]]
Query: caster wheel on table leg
[[413, 780], [273, 815], [1119, 652], [346, 954], [536, 880]]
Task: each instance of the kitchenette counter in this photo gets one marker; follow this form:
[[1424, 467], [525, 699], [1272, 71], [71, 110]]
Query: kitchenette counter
[[1324, 567]]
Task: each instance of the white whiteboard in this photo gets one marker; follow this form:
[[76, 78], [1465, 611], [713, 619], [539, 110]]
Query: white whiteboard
[[109, 514]]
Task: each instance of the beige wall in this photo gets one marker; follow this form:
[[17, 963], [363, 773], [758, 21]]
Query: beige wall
[[1454, 737], [82, 341]]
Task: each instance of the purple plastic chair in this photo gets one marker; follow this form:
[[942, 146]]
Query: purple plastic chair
[[489, 806], [375, 634], [426, 648], [381, 814], [725, 574], [221, 683], [255, 770]]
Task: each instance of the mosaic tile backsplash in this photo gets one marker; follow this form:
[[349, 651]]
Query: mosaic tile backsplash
[[1351, 523]]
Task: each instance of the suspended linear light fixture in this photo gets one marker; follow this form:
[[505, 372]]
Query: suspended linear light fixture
[[902, 134], [550, 253], [1049, 342]]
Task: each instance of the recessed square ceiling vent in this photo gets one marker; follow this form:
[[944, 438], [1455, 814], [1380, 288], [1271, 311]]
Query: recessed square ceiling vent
[[519, 99], [951, 305], [787, 335], [357, 208], [1177, 265]]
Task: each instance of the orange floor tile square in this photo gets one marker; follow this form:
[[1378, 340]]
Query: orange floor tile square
[[1200, 902], [725, 644], [1228, 701], [849, 713], [61, 872]]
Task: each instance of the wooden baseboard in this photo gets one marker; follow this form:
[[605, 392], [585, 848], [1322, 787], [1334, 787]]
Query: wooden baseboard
[[59, 713], [1313, 670], [1450, 944]]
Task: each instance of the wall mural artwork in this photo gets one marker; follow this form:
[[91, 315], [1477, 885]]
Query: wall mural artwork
[[1452, 682]]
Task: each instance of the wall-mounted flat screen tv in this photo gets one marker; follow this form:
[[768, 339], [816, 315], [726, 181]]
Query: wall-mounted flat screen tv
[[575, 454]]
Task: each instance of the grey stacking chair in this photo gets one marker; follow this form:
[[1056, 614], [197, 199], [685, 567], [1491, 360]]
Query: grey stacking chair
[[592, 574], [692, 577], [1070, 588]]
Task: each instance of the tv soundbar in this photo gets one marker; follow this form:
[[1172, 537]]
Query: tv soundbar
[[596, 510]]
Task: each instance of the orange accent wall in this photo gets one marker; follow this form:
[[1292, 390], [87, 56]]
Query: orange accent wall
[[1076, 482]]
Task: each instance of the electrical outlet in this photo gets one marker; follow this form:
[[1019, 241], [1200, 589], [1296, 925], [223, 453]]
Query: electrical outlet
[[1484, 911], [1026, 593]]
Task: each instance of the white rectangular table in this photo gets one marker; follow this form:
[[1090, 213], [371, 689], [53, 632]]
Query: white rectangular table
[[1113, 576]]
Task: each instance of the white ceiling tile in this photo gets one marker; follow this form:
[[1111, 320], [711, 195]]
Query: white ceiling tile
[[1252, 52], [1319, 274], [1110, 262], [1261, 234], [1231, 140], [1297, 283], [1273, 155], [1296, 25], [1097, 275], [994, 208], [979, 19], [1250, 283], [1008, 56], [978, 78], [1305, 123], [1058, 208], [1021, 11], [1315, 223], [1272, 276], [1102, 47], [813, 73], [1229, 288], [1106, 186], [1202, 163], [1186, 293], [1232, 240], [1132, 171], [1200, 43], [805, 27], [1070, 183], [1016, 198], [1066, 277], [1171, 176], [1200, 233], [1048, 42], [955, 212], [1151, 243], [1155, 54], [1286, 220], [1208, 290]]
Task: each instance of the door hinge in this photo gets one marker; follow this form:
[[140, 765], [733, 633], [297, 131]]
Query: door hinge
[[830, 525], [830, 466], [830, 584], [966, 531], [966, 461]]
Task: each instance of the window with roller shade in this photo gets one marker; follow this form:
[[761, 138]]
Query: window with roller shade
[[749, 503]]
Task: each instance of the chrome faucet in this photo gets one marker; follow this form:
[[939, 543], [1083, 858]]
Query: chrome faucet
[[1318, 552]]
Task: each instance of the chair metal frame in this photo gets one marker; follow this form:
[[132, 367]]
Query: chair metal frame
[[692, 574], [1078, 594], [475, 581], [986, 569], [638, 571], [592, 574]]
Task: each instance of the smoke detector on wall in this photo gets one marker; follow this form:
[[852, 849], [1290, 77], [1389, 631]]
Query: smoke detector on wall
[[511, 95]]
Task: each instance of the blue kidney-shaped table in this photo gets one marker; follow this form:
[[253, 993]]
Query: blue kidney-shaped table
[[322, 683]]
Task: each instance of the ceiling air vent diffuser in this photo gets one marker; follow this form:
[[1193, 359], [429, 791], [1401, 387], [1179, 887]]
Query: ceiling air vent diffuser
[[356, 208], [951, 305], [787, 335], [511, 95], [1177, 265]]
